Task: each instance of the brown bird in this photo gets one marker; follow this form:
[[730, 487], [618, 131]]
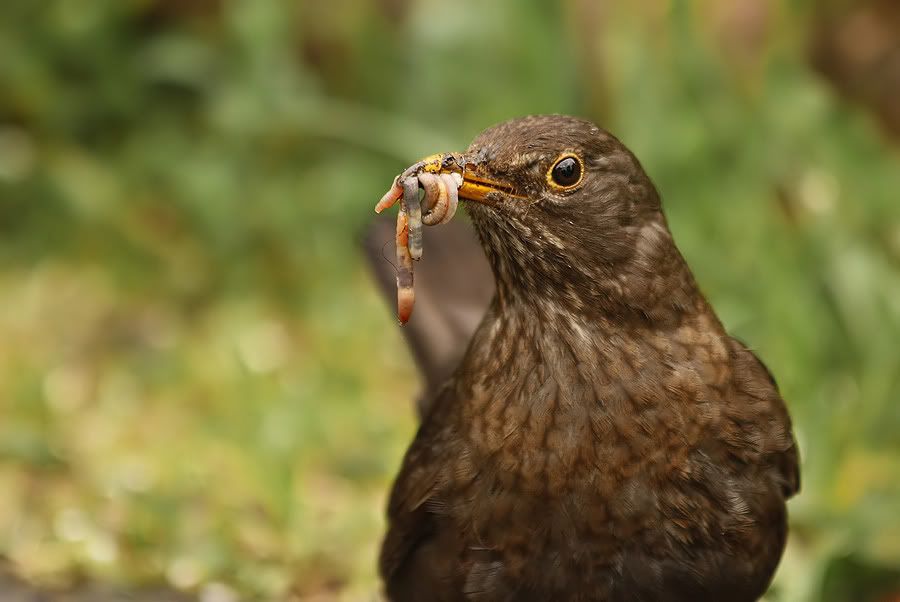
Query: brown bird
[[603, 437]]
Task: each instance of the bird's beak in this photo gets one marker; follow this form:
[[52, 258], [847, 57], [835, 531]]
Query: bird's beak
[[476, 186]]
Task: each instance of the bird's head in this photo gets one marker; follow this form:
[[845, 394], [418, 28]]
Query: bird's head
[[568, 217]]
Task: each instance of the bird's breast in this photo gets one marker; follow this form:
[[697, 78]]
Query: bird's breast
[[551, 420]]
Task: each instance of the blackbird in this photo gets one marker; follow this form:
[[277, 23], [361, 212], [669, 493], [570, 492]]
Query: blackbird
[[603, 437]]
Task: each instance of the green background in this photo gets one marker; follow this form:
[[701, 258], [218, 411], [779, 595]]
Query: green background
[[198, 380]]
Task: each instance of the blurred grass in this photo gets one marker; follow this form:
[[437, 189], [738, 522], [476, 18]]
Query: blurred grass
[[198, 382]]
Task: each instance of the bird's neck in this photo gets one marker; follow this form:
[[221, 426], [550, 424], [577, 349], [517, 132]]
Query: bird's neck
[[517, 336], [574, 380], [569, 331], [568, 334], [648, 285]]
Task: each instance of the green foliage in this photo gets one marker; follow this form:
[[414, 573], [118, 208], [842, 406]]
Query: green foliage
[[198, 381]]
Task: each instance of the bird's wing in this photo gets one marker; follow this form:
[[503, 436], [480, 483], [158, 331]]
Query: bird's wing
[[453, 285], [415, 541]]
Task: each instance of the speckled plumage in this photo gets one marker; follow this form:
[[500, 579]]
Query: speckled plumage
[[603, 437]]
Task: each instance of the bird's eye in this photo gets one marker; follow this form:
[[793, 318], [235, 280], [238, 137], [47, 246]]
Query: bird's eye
[[566, 172]]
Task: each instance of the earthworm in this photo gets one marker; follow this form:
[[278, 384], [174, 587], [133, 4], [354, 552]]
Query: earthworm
[[406, 295], [390, 197], [414, 212], [439, 203], [431, 185]]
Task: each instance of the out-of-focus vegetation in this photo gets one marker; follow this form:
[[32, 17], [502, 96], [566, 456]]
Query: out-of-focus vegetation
[[198, 381]]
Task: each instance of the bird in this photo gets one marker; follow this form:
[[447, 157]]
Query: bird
[[602, 436]]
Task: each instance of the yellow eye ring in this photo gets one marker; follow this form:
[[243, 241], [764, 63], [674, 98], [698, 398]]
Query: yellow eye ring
[[566, 173]]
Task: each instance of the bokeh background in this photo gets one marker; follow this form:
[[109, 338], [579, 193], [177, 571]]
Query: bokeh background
[[200, 386]]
